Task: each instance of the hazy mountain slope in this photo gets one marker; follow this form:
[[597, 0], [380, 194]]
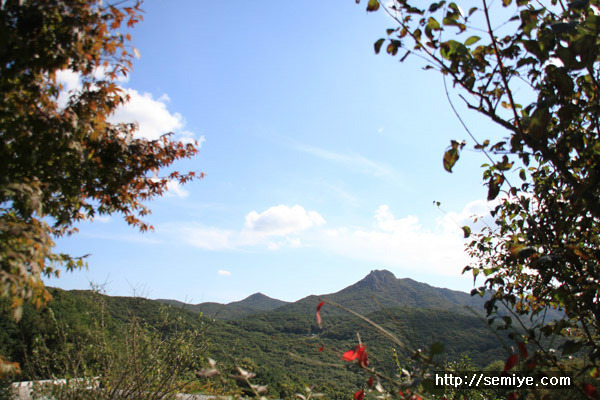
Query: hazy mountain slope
[[259, 301], [252, 304]]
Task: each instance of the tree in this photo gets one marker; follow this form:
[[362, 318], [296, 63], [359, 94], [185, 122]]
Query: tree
[[533, 68], [63, 163]]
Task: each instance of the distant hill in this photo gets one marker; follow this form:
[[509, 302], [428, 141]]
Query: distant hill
[[260, 332], [380, 289], [253, 304]]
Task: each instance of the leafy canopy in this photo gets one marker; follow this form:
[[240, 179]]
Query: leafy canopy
[[532, 67], [62, 163]]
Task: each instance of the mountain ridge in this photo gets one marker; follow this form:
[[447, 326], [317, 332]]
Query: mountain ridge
[[377, 290], [253, 304], [380, 289]]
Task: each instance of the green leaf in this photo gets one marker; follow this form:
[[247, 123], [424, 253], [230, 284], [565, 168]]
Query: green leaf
[[433, 24], [466, 231], [392, 48], [494, 186], [450, 158], [449, 21], [435, 6], [506, 3], [472, 40], [505, 165], [377, 45], [373, 5]]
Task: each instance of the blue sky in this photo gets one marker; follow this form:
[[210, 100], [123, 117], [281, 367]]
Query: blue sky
[[322, 159]]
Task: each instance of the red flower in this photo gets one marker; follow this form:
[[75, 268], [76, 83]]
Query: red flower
[[359, 395], [320, 349], [370, 382], [319, 313], [359, 353]]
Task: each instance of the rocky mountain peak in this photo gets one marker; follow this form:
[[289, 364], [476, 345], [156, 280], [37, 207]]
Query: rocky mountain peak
[[377, 279]]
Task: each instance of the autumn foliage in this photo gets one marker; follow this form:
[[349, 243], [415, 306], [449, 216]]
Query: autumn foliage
[[63, 163]]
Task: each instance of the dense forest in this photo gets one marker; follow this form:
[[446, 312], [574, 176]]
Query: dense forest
[[283, 346]]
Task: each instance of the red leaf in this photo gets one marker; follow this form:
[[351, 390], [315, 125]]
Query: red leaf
[[320, 349], [319, 313], [511, 396], [511, 362], [359, 395], [359, 353], [590, 391], [523, 350], [350, 355], [370, 382]]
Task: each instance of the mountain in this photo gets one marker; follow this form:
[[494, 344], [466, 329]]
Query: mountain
[[260, 333], [380, 289], [252, 304], [259, 301]]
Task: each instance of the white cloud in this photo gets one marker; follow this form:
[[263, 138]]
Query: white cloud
[[400, 243], [273, 229], [282, 220], [152, 115], [175, 189], [102, 218], [222, 272], [206, 238], [352, 161], [478, 208], [69, 79]]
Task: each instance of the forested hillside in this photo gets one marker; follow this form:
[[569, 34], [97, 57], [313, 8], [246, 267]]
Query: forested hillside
[[283, 346]]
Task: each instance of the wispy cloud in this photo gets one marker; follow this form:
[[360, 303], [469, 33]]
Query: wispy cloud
[[282, 220], [175, 189], [351, 161], [222, 272], [133, 238], [341, 193], [398, 243], [275, 228], [102, 218]]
